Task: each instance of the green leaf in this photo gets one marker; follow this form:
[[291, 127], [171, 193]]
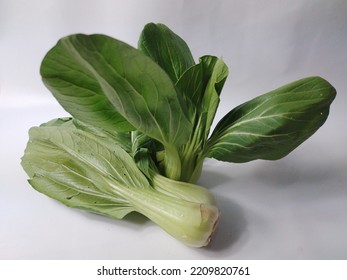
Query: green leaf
[[71, 165], [71, 81], [272, 125], [215, 74], [201, 85], [96, 75], [144, 151], [122, 139], [166, 48]]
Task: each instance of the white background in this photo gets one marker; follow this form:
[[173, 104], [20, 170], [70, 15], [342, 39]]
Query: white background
[[295, 208]]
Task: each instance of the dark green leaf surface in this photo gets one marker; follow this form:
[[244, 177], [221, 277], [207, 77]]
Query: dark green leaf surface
[[215, 74], [272, 125], [72, 81], [97, 77], [201, 85], [167, 49]]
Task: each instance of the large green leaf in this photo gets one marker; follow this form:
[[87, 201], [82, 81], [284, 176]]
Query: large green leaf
[[73, 84], [96, 75], [166, 48], [272, 125], [73, 166]]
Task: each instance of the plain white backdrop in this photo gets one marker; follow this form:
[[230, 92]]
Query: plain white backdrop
[[295, 208]]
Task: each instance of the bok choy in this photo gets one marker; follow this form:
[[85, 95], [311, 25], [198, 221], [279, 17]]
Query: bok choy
[[140, 128]]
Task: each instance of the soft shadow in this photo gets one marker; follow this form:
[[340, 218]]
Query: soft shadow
[[133, 218], [211, 179], [231, 228], [136, 218], [285, 173]]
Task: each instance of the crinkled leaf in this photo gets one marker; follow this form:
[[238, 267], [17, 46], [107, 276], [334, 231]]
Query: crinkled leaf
[[272, 125], [166, 48], [94, 75], [122, 139], [74, 167]]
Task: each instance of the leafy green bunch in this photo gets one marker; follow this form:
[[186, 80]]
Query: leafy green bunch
[[140, 128]]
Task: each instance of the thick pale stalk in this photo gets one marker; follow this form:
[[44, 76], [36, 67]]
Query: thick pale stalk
[[183, 190], [190, 222], [172, 163]]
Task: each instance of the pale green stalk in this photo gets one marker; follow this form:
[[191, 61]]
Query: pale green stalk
[[192, 223]]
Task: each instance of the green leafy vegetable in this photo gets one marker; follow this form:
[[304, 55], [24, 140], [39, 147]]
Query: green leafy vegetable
[[129, 82], [84, 170], [141, 128]]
